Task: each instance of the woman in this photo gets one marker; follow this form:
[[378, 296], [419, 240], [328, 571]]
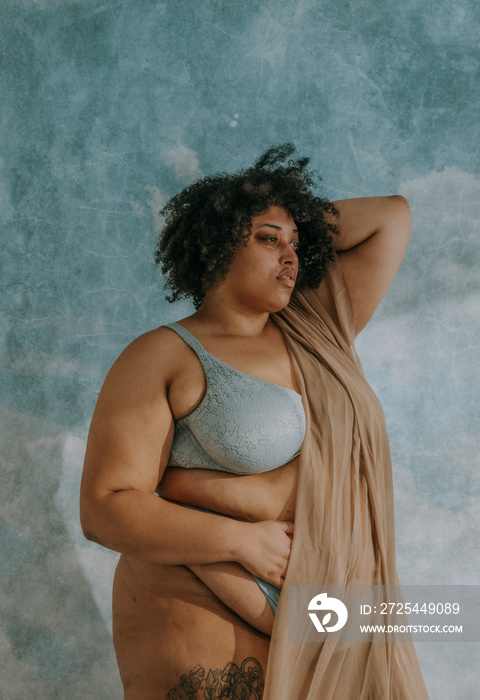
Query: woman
[[258, 406]]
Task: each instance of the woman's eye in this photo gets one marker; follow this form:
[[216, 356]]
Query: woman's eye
[[273, 239]]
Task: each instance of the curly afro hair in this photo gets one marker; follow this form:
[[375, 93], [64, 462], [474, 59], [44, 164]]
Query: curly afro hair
[[206, 222]]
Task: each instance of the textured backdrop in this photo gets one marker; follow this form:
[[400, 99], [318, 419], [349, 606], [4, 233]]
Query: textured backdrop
[[108, 108]]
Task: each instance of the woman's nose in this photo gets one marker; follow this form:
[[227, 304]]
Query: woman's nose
[[287, 253]]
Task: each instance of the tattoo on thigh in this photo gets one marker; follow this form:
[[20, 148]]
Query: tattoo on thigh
[[245, 682]]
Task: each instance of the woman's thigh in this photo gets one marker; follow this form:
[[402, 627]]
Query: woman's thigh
[[175, 640]]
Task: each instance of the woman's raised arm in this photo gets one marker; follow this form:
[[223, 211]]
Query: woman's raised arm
[[373, 238]]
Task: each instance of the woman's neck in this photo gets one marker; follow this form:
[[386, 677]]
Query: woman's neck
[[227, 318]]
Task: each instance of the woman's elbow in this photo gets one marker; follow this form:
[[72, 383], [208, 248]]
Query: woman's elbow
[[398, 220], [401, 200], [91, 537], [90, 531], [91, 519], [402, 207]]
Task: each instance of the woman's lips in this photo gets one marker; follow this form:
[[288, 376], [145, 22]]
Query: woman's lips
[[288, 278]]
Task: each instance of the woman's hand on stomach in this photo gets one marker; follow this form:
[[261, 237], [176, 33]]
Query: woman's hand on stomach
[[264, 549], [254, 498]]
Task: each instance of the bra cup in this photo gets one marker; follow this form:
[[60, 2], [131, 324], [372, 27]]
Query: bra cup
[[243, 424]]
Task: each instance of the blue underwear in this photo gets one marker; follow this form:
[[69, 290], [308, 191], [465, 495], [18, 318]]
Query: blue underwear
[[271, 592]]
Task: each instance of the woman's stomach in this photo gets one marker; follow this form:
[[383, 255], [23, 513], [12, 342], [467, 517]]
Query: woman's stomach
[[267, 496]]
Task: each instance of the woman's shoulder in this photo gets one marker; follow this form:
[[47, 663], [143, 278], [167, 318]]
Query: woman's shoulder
[[159, 340], [150, 360]]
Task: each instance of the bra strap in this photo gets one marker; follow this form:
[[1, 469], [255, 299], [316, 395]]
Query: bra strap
[[192, 342]]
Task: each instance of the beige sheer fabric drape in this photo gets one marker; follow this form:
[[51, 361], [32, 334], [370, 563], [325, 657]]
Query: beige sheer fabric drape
[[344, 524]]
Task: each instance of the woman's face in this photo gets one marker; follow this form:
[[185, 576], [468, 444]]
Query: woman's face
[[263, 272]]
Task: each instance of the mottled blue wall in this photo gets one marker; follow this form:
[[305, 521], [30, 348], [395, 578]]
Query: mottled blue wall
[[107, 108]]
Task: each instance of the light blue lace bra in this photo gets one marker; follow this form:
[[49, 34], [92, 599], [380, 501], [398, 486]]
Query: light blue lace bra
[[243, 424]]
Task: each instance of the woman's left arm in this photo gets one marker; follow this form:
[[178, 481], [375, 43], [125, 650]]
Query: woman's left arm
[[373, 237]]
